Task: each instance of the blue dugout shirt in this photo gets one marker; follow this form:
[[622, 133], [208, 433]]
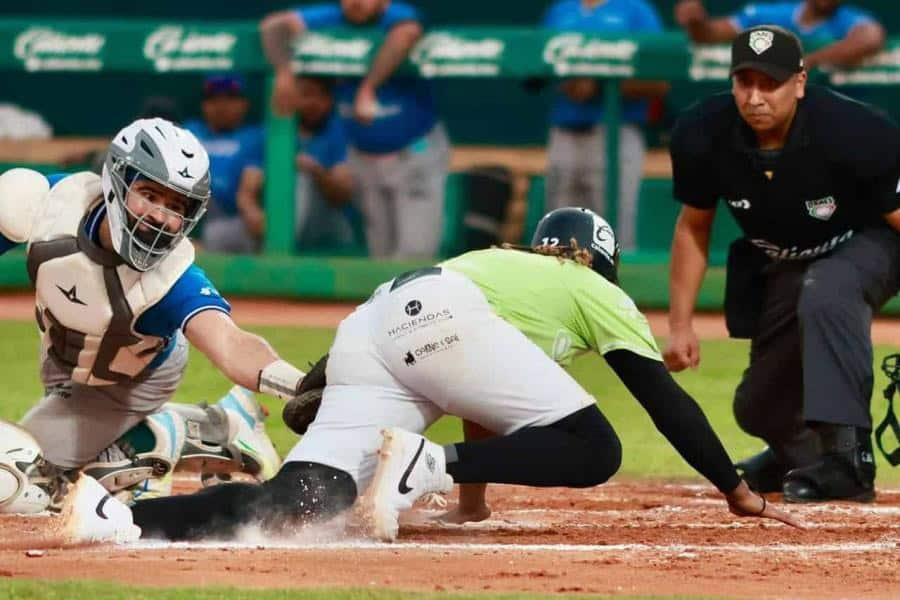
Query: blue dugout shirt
[[787, 15], [229, 153], [406, 104], [191, 294], [613, 16], [328, 145]]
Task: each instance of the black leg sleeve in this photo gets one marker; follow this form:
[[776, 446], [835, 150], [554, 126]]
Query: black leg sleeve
[[301, 492], [581, 450], [676, 415]]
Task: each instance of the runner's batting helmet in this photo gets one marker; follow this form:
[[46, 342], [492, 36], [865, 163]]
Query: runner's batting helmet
[[589, 230]]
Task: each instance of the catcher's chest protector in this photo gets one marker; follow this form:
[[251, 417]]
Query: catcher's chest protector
[[87, 298]]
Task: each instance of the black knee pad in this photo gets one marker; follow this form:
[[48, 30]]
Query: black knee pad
[[309, 492], [603, 449]]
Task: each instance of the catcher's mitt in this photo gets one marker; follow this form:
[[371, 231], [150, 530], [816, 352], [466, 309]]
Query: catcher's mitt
[[300, 411]]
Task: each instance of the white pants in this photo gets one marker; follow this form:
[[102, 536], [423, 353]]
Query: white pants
[[401, 195], [432, 346]]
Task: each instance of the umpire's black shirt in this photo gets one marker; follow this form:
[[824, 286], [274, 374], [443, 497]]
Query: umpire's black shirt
[[837, 172]]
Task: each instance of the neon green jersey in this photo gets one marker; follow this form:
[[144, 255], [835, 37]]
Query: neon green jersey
[[563, 307]]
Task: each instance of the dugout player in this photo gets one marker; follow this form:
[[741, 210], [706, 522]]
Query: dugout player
[[399, 150], [576, 150], [481, 336], [811, 177], [843, 35], [235, 150]]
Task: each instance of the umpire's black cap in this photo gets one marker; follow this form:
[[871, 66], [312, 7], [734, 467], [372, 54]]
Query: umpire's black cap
[[768, 48]]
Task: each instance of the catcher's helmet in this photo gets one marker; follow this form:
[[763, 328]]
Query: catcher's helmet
[[589, 230], [159, 151]]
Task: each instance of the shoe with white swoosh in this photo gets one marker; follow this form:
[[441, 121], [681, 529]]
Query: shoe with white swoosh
[[409, 466], [90, 514]]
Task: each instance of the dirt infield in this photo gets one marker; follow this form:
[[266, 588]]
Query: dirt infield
[[621, 538], [625, 537]]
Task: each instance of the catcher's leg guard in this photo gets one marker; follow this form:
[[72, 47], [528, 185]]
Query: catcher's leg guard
[[228, 437], [149, 450]]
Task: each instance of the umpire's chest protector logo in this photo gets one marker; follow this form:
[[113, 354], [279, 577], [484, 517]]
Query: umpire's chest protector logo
[[822, 208]]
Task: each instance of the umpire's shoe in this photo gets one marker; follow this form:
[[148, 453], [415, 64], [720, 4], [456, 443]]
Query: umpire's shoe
[[763, 472], [846, 470]]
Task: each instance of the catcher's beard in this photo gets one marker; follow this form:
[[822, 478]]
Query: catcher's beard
[[151, 234]]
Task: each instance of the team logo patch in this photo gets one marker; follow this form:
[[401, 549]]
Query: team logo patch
[[413, 307], [822, 208], [760, 41], [604, 238]]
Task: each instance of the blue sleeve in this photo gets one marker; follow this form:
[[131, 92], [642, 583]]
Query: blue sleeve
[[55, 178], [340, 152], [320, 16], [764, 14], [337, 152], [847, 18], [194, 126], [254, 148], [398, 12], [645, 18], [551, 17], [191, 294]]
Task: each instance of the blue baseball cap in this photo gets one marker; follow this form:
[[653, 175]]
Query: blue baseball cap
[[223, 84]]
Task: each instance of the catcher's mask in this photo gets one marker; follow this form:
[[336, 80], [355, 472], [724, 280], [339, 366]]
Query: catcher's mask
[[148, 154]]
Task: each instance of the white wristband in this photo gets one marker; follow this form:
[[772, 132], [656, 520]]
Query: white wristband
[[280, 379]]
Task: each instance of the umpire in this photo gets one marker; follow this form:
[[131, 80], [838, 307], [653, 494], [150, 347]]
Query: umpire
[[811, 177]]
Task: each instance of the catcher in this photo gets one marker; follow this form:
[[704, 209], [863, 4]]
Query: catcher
[[481, 336], [118, 298]]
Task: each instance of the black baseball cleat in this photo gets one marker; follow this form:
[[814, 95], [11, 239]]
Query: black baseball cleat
[[763, 472], [845, 472]]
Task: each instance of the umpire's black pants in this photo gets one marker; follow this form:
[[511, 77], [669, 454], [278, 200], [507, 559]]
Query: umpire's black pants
[[811, 358]]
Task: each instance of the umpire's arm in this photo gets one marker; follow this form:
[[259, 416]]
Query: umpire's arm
[[690, 256], [697, 190]]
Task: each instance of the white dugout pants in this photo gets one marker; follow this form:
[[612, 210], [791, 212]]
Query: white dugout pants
[[576, 175], [432, 346]]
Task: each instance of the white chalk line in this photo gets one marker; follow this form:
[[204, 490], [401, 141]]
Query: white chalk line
[[683, 549], [508, 526], [800, 509]]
